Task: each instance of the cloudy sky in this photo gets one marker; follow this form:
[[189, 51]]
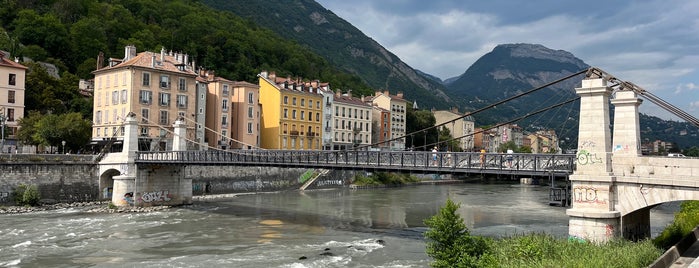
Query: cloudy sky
[[654, 44]]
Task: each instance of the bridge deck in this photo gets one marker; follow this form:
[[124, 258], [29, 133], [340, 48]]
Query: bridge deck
[[426, 162]]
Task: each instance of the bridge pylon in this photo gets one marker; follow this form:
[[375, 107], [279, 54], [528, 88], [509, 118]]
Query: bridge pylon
[[144, 185], [593, 216]]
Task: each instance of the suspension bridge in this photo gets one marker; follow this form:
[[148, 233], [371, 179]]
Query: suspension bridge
[[613, 185]]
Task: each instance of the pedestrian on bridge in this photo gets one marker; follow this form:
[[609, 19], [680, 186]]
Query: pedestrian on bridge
[[482, 158], [509, 158], [434, 156]]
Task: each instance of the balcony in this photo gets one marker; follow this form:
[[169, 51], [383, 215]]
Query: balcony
[[311, 134], [294, 133]]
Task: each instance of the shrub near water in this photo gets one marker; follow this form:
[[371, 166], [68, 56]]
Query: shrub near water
[[26, 195], [685, 220], [384, 178], [450, 245]]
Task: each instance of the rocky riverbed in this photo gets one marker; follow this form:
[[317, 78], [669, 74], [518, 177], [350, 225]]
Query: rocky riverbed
[[91, 207]]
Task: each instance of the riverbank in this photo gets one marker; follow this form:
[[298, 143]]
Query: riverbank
[[91, 207]]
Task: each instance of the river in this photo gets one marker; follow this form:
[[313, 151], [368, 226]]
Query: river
[[323, 228]]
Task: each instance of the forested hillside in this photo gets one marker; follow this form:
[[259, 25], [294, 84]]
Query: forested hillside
[[71, 33]]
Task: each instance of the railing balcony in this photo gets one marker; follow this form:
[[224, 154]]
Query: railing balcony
[[294, 133]]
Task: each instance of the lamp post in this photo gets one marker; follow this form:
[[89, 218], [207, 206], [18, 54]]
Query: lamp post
[[64, 146]]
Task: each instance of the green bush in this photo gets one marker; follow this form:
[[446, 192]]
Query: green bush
[[384, 178], [26, 195], [685, 220]]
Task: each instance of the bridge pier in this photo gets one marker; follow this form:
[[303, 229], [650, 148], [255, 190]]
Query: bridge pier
[[145, 185]]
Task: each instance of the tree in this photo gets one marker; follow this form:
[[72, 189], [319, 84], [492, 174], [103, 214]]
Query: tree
[[451, 244], [693, 152], [447, 141], [26, 131], [419, 120]]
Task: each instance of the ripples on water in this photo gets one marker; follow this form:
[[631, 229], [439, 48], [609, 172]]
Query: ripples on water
[[277, 230]]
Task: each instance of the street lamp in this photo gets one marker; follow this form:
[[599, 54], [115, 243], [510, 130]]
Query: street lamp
[[64, 146]]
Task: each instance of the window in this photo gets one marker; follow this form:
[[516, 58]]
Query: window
[[224, 120], [123, 96], [182, 85], [182, 101], [285, 128], [12, 80], [116, 116], [10, 114], [165, 82], [293, 101], [144, 115], [163, 118], [225, 90], [318, 104], [146, 79], [164, 99], [249, 127], [98, 118], [99, 130], [251, 97], [250, 112], [115, 97], [337, 111], [286, 113], [99, 99], [106, 97], [317, 117], [293, 114], [310, 103], [10, 96], [144, 131], [106, 116], [303, 115], [286, 99], [145, 97], [224, 105], [303, 102]]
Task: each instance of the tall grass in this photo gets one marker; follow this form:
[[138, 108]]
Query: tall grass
[[541, 250]]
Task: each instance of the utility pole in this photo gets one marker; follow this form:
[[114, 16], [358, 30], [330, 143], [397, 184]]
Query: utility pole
[[2, 129]]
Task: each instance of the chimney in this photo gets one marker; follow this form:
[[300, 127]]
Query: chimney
[[455, 110], [264, 74], [338, 93], [399, 95], [194, 66], [152, 61], [377, 93], [385, 92], [100, 60], [349, 93], [272, 76], [162, 54], [129, 52], [185, 59]]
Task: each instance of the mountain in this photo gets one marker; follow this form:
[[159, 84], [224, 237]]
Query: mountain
[[511, 69], [323, 32]]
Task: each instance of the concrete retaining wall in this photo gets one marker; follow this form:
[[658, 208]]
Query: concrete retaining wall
[[56, 181]]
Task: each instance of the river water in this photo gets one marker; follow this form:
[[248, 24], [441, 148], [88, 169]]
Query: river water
[[323, 228]]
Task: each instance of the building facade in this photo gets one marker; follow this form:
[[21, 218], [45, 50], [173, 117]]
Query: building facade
[[352, 123], [460, 127], [157, 87], [397, 107], [245, 128], [12, 90], [291, 113], [381, 127]]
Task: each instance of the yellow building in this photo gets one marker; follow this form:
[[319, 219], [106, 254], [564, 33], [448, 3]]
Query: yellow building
[[157, 87], [462, 128], [397, 106], [291, 113]]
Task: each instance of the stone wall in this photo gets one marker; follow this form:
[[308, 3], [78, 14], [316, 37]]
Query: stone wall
[[56, 181], [230, 179]]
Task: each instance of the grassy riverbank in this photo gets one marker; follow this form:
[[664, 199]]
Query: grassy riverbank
[[685, 220], [384, 178], [450, 244]]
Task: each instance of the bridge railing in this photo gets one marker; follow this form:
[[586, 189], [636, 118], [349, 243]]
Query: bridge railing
[[561, 163]]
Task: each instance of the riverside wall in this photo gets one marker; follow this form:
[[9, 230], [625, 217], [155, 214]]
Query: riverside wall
[[64, 178]]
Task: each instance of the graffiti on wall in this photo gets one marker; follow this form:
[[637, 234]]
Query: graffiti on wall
[[586, 158], [329, 182], [156, 196], [586, 194]]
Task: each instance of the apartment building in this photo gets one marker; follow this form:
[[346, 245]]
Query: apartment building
[[352, 122], [245, 115], [380, 127], [12, 89], [397, 107], [328, 103], [544, 141], [459, 126], [291, 113], [157, 87], [218, 111]]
